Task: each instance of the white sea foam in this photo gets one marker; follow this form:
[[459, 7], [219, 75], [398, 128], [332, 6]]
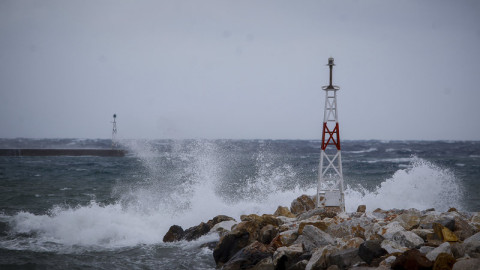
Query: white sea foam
[[422, 186], [373, 149]]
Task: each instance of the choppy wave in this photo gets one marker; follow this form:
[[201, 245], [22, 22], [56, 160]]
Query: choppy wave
[[146, 209]]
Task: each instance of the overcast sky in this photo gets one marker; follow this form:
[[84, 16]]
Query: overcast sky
[[239, 69]]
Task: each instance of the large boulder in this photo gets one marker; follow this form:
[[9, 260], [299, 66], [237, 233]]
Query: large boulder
[[344, 258], [409, 220], [248, 256], [412, 259], [463, 229], [267, 233], [392, 247], [472, 244], [444, 261], [312, 237], [370, 250], [467, 264], [196, 232], [443, 248], [390, 229], [285, 257], [302, 204], [175, 233], [283, 211], [218, 219], [407, 239], [229, 245]]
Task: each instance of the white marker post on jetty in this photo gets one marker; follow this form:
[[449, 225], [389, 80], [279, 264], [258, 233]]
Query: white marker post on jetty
[[330, 194], [114, 131]]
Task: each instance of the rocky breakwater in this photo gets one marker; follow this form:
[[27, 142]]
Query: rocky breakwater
[[303, 237]]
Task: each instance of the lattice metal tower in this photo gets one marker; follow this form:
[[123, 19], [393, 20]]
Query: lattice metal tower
[[114, 132], [330, 177]]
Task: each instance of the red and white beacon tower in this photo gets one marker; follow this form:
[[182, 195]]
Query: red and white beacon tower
[[330, 193]]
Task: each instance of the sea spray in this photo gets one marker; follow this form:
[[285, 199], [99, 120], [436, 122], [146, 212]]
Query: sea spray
[[422, 185]]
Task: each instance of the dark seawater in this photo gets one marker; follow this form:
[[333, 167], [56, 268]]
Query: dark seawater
[[112, 213]]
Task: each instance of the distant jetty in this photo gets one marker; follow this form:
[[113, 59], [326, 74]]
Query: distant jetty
[[63, 152]]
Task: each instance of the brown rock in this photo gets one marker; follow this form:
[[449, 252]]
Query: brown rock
[[320, 224], [267, 233], [228, 246], [444, 261], [196, 231], [248, 256], [218, 219], [463, 229], [283, 211], [175, 233], [441, 233], [412, 260], [302, 204], [362, 208]]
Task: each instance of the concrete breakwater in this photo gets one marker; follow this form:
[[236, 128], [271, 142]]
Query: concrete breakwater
[[63, 152], [303, 237]]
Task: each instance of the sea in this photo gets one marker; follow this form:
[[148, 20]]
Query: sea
[[112, 212]]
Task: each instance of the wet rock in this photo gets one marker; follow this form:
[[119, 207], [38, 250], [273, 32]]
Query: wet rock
[[361, 208], [218, 219], [248, 256], [267, 233], [362, 227], [472, 244], [299, 265], [443, 248], [344, 258], [288, 237], [320, 212], [229, 245], [316, 237], [407, 239], [319, 224], [392, 247], [390, 229], [302, 204], [283, 211], [370, 250], [265, 264], [412, 260], [319, 259], [422, 233], [223, 227], [196, 232], [426, 249], [458, 250], [467, 264], [463, 229], [444, 261], [261, 221], [441, 233], [409, 219], [285, 257], [354, 242], [447, 223], [175, 233]]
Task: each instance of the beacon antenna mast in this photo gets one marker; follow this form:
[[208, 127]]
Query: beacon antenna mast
[[114, 132], [330, 193]]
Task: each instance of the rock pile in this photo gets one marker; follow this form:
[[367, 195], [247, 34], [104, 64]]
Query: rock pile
[[305, 237]]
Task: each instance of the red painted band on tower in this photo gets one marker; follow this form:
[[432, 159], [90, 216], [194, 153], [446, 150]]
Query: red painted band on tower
[[331, 139]]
